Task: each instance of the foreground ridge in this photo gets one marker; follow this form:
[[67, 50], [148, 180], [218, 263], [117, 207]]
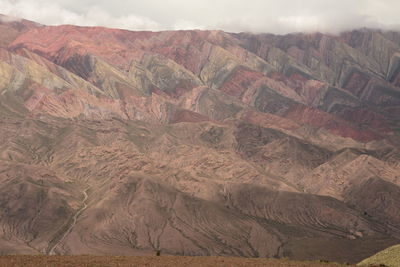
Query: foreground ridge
[[389, 257]]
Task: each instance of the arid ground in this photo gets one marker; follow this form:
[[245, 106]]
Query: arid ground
[[173, 261], [198, 143]]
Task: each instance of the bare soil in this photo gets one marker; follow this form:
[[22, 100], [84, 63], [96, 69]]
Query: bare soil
[[122, 261]]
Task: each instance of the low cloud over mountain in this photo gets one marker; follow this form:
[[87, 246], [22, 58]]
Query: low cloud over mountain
[[281, 17]]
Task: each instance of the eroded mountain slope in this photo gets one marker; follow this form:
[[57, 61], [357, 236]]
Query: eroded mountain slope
[[198, 142]]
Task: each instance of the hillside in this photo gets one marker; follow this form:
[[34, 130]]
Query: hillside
[[198, 142], [389, 257]]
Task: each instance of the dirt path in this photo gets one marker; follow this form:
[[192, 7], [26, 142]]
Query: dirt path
[[74, 219]]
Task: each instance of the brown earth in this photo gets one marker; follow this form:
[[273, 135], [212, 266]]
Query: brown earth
[[121, 261], [198, 143]]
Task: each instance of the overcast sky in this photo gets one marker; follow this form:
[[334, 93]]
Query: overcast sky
[[275, 16]]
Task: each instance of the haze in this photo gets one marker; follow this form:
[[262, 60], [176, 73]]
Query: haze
[[280, 17]]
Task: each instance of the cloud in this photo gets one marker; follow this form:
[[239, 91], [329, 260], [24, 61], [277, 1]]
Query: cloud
[[9, 18], [187, 25], [273, 16], [53, 13]]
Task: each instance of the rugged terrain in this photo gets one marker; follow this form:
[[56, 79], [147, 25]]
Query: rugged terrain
[[198, 142]]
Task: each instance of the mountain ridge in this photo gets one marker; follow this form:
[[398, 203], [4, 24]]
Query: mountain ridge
[[199, 142]]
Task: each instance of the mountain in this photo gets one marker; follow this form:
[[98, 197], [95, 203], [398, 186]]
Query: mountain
[[198, 142]]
